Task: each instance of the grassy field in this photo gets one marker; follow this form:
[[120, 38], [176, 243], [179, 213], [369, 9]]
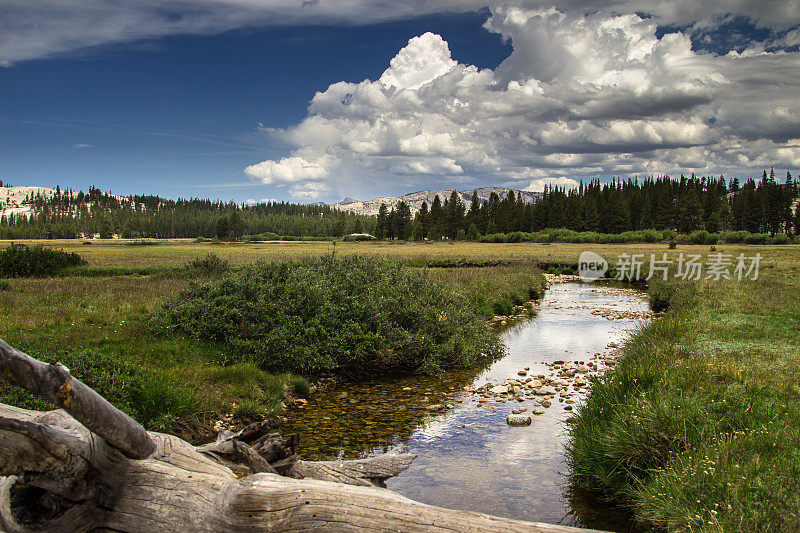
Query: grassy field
[[698, 429], [96, 322]]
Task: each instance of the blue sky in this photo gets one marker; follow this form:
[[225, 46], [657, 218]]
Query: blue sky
[[197, 103]]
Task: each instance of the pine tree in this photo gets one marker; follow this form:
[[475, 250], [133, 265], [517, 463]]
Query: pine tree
[[436, 211], [418, 231], [382, 222], [691, 212], [591, 216], [236, 226], [472, 232], [223, 228], [454, 214], [423, 217], [402, 222]]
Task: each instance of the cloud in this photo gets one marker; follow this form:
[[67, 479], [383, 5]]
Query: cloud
[[591, 88], [538, 185], [81, 145], [308, 191], [584, 93], [287, 170], [47, 28]]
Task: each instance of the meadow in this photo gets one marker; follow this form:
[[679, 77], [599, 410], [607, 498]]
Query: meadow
[[697, 429], [96, 319]]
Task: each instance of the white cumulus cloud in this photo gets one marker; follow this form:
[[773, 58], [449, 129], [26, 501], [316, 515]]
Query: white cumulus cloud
[[584, 93]]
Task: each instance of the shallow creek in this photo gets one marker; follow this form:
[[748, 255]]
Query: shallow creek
[[468, 456]]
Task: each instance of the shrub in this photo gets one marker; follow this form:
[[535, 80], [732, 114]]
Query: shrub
[[5, 285], [211, 263], [756, 238], [735, 237], [673, 244], [354, 316], [697, 237], [661, 295], [18, 260], [781, 238]]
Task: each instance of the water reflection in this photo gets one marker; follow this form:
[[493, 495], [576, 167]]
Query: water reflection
[[468, 457]]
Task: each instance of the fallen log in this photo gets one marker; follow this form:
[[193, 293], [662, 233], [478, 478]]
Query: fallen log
[[59, 474]]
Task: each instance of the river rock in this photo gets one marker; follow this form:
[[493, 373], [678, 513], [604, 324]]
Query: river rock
[[535, 384], [518, 420], [499, 389], [519, 410], [537, 411], [583, 369], [546, 403]]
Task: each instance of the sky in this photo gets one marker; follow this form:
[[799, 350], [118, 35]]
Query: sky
[[315, 100]]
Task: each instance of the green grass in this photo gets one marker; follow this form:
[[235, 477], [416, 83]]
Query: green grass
[[698, 428], [93, 319]]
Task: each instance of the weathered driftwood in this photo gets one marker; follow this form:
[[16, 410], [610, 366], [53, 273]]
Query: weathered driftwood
[[55, 384], [58, 475]]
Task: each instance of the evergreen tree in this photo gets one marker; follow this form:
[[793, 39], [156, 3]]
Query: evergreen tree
[[418, 231], [436, 211], [591, 216], [454, 214], [235, 225], [402, 221], [382, 222], [223, 228], [691, 212], [472, 232]]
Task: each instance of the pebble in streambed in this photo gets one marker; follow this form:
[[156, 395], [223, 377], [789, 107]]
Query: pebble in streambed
[[564, 383]]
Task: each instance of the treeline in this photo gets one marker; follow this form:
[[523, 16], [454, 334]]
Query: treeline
[[685, 206], [67, 215]]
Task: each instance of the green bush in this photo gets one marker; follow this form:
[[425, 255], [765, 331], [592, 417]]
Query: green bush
[[354, 316], [697, 237], [18, 260], [757, 238], [781, 238], [661, 294], [211, 263], [735, 237]]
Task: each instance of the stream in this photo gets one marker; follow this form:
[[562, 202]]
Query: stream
[[468, 457]]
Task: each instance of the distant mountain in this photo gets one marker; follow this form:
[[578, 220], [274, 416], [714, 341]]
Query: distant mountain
[[20, 200], [415, 199]]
